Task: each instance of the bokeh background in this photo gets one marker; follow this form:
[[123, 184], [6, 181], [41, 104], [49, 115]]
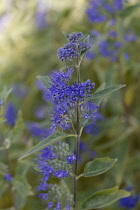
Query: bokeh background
[[30, 35]]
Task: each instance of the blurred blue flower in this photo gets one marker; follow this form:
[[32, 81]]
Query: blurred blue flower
[[90, 55], [10, 114], [19, 90], [8, 177], [37, 131], [4, 20], [40, 112], [93, 127], [41, 15], [129, 202], [126, 56], [130, 37]]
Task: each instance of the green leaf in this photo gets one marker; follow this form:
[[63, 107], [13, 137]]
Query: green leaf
[[22, 187], [128, 10], [46, 142], [104, 198], [99, 100], [86, 38], [65, 34], [104, 92], [5, 93], [45, 80], [98, 166]]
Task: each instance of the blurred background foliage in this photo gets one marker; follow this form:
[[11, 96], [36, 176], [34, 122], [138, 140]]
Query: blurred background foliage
[[30, 35]]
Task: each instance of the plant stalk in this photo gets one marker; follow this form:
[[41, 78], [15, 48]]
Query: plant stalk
[[77, 137]]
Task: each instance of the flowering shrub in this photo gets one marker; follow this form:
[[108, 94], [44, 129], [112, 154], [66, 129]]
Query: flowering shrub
[[65, 129], [72, 107]]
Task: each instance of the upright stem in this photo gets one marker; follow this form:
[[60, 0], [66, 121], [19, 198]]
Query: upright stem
[[77, 138]]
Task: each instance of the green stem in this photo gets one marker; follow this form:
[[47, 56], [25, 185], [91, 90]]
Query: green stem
[[77, 137]]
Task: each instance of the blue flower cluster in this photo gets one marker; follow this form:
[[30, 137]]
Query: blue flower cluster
[[55, 161], [65, 96], [54, 196], [107, 45], [73, 48], [98, 11]]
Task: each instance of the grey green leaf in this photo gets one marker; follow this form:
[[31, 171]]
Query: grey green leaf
[[104, 198], [104, 92], [98, 166], [46, 142]]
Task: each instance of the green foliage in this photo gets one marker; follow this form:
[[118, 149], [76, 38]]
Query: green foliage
[[46, 142], [45, 80], [5, 93], [104, 198], [98, 166], [128, 10], [104, 92]]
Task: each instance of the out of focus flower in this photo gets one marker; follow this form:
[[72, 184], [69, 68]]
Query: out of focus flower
[[19, 90], [8, 177], [4, 20], [130, 37], [41, 15], [10, 114], [37, 131], [131, 201]]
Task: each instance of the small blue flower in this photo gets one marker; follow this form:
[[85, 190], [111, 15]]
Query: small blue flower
[[49, 205], [90, 55], [113, 34], [95, 33], [129, 202], [67, 207], [8, 177], [126, 56], [61, 174], [130, 37], [71, 159], [10, 114], [36, 130], [43, 196], [58, 206], [20, 90]]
